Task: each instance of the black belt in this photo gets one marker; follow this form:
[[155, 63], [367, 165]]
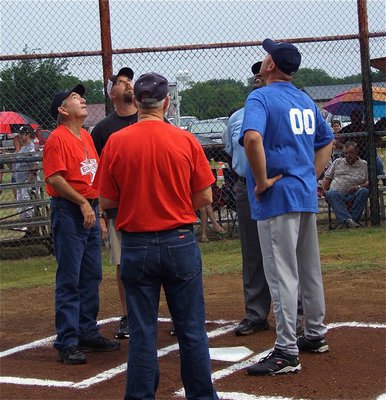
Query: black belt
[[183, 227], [242, 180], [93, 202]]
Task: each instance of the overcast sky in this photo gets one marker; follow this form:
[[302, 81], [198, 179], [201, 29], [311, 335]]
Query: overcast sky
[[63, 26]]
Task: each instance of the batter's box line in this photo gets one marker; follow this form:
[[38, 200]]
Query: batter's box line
[[47, 341], [109, 374], [103, 376], [254, 359]]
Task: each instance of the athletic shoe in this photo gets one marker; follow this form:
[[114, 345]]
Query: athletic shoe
[[275, 363], [123, 330], [350, 223], [71, 355], [312, 345], [247, 327], [99, 344]]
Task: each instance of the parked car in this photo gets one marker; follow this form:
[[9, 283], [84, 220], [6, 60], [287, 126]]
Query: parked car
[[184, 121], [208, 131]]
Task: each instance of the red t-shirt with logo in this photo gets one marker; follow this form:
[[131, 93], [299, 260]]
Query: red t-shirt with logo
[[75, 158], [152, 168]]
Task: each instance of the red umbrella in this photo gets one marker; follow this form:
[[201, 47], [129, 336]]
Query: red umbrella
[[10, 121]]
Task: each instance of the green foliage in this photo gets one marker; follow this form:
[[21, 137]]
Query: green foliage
[[213, 98], [353, 250], [312, 77], [317, 77], [27, 86]]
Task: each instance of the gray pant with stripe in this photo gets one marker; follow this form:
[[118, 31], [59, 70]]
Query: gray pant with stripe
[[289, 244], [256, 292]]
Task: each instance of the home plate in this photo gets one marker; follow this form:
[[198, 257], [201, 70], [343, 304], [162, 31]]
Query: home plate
[[229, 353]]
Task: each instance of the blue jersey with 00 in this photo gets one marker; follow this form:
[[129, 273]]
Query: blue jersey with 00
[[292, 129]]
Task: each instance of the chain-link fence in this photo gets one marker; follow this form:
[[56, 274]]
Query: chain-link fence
[[206, 50]]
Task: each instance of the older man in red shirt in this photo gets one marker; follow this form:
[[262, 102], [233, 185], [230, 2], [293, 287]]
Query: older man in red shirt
[[70, 162], [157, 175]]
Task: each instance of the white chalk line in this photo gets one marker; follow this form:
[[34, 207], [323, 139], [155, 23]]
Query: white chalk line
[[47, 341], [103, 376], [109, 374]]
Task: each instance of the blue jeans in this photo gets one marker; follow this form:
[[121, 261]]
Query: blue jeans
[[170, 259], [78, 275], [338, 202]]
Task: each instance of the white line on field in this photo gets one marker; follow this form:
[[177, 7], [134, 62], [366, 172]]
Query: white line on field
[[108, 374]]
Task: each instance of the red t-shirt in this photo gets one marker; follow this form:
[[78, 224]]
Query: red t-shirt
[[152, 168], [75, 158]]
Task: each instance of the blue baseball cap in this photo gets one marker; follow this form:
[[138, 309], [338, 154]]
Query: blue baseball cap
[[285, 55], [61, 96], [151, 87]]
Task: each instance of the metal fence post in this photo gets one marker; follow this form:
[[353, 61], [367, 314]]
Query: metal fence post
[[107, 51], [368, 105]]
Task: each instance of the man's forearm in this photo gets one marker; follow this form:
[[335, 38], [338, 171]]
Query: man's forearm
[[202, 198], [105, 203], [64, 189], [254, 150], [321, 159]]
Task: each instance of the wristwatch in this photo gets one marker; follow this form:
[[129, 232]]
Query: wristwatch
[[102, 215]]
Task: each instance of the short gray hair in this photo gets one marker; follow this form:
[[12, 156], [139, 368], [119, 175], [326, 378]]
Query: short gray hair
[[60, 118], [150, 106]]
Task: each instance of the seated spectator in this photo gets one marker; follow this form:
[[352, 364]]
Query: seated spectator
[[357, 125], [337, 150], [25, 173], [346, 182], [336, 126]]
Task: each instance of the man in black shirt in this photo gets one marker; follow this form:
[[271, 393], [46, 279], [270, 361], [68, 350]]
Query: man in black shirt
[[120, 89]]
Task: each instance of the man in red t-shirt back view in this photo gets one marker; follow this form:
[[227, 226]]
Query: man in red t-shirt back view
[[70, 162], [157, 175]]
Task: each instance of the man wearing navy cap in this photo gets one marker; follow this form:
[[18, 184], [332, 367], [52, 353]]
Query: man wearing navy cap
[[288, 144], [70, 162], [157, 175], [120, 90], [256, 292]]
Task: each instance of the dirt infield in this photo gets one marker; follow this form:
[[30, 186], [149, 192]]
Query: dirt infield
[[355, 367]]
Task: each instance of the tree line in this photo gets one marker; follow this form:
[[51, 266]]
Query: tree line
[[27, 86]]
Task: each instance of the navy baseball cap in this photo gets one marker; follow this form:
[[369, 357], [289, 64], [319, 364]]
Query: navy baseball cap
[[285, 55], [61, 96], [256, 67], [151, 87], [125, 71]]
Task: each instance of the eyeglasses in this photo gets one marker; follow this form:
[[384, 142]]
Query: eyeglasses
[[121, 81]]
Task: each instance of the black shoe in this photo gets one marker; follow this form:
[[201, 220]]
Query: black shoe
[[172, 330], [72, 355], [312, 345], [123, 330], [99, 344], [247, 327], [275, 363]]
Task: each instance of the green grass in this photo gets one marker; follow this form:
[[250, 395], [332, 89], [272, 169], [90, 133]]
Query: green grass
[[353, 250]]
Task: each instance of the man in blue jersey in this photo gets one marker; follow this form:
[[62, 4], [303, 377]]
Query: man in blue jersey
[[288, 144]]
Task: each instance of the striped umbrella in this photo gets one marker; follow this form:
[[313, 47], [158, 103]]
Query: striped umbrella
[[344, 103]]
